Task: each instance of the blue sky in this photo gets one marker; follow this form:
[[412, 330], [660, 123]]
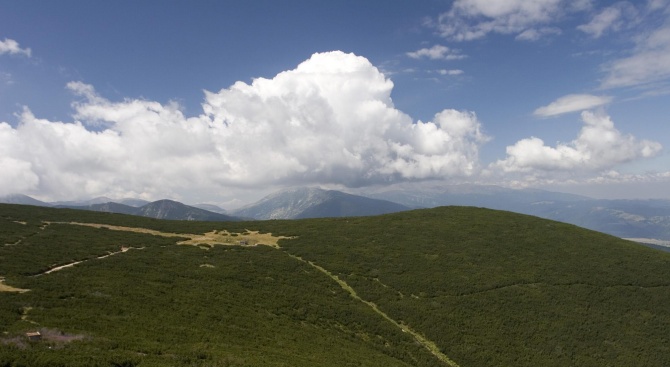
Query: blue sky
[[223, 101]]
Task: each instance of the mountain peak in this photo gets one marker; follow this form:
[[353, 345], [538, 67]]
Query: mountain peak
[[22, 200], [310, 202]]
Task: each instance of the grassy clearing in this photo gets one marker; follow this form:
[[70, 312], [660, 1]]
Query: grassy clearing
[[248, 238], [223, 237]]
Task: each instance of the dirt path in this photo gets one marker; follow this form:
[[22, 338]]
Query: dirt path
[[61, 267], [124, 229], [428, 344]]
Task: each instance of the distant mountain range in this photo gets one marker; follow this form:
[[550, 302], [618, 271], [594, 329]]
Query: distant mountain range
[[211, 208], [638, 219], [306, 202], [489, 196], [161, 209]]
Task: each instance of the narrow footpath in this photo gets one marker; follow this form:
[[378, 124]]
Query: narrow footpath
[[428, 344]]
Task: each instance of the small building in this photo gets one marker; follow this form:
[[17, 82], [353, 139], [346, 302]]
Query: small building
[[34, 336]]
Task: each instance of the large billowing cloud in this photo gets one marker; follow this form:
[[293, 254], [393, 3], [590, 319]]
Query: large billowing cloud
[[599, 146], [329, 121]]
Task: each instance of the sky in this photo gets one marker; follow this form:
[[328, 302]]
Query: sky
[[222, 102]]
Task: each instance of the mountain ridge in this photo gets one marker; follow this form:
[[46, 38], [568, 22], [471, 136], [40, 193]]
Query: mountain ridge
[[160, 209], [630, 218], [306, 202]]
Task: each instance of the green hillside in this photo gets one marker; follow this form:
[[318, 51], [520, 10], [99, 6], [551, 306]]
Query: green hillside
[[447, 286]]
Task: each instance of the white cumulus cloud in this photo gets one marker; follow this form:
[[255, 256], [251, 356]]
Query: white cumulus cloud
[[599, 146], [572, 103], [10, 46], [330, 120]]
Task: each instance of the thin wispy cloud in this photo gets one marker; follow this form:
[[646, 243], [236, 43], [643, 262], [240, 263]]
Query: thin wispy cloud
[[572, 103], [11, 47], [469, 20], [648, 63], [611, 18], [437, 52], [450, 72]]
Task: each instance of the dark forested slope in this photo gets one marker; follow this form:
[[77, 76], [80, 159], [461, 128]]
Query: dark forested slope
[[446, 286]]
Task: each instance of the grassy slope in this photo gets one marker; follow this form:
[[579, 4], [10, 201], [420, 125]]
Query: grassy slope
[[489, 288]]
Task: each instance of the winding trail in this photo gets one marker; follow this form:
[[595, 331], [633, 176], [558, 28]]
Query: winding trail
[[61, 267], [428, 344]]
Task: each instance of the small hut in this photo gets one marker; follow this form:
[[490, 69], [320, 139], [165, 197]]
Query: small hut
[[34, 336]]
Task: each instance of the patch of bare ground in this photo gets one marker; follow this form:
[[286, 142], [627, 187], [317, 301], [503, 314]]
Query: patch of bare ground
[[223, 237], [59, 337], [24, 315], [248, 238], [8, 288], [53, 337]]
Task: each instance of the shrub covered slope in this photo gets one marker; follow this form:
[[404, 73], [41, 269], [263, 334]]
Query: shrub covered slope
[[447, 286]]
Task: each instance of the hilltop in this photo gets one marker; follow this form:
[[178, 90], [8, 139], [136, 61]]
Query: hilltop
[[450, 286]]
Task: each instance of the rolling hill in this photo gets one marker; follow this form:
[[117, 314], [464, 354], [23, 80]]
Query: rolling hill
[[450, 286], [621, 218]]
